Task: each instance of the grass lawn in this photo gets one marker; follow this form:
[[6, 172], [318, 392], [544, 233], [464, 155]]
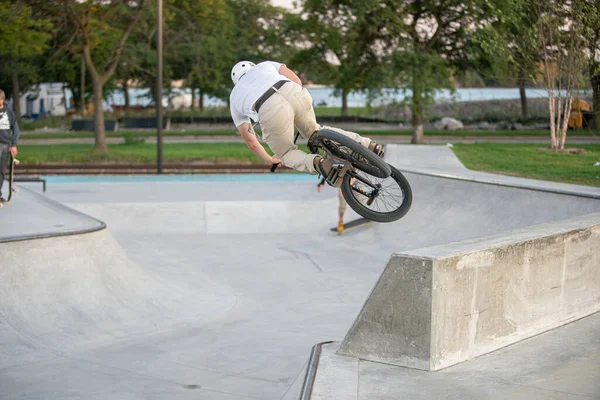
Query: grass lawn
[[526, 160], [121, 134], [233, 132]]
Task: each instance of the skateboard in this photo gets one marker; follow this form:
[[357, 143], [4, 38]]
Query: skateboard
[[353, 224], [11, 178]]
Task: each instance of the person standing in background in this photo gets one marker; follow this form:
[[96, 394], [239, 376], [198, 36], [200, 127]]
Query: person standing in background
[[9, 136]]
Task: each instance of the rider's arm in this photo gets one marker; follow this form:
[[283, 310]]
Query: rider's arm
[[249, 137], [320, 185], [288, 73]]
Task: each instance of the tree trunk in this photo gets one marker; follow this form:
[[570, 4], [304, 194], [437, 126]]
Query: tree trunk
[[64, 89], [99, 117], [200, 100], [596, 99], [99, 78], [193, 98], [417, 113], [82, 86], [344, 102], [523, 94], [565, 122], [126, 95], [552, 110], [157, 101], [16, 95]]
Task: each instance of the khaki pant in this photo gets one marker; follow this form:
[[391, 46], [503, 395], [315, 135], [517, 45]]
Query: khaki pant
[[292, 106]]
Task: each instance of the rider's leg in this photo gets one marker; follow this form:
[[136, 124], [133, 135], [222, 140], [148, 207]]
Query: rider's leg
[[341, 211], [304, 113], [365, 141], [277, 124], [342, 205], [306, 121]]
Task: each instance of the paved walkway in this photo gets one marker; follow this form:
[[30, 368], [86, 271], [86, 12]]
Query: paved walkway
[[561, 364]]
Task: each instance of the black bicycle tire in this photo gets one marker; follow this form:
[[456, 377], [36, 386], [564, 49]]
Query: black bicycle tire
[[374, 215], [381, 169]]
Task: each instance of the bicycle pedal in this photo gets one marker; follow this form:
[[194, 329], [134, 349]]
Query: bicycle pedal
[[336, 176]]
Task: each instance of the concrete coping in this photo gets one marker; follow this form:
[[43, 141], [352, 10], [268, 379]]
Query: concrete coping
[[509, 181], [469, 246], [34, 216]]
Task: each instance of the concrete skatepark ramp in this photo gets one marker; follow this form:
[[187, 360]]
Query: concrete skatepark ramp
[[437, 306], [214, 288]]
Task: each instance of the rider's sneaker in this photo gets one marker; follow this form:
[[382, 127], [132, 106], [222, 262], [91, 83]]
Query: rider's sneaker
[[323, 166], [340, 228], [376, 148]]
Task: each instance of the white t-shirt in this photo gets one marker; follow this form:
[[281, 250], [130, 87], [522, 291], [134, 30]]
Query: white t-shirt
[[250, 87]]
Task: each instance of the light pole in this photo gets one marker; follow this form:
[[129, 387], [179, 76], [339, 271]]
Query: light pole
[[159, 85]]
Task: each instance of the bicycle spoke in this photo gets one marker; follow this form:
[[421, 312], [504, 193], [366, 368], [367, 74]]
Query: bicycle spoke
[[390, 195]]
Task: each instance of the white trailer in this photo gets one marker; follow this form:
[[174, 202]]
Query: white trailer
[[44, 99]]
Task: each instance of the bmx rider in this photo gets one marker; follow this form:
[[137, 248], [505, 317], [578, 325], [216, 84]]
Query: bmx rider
[[271, 94]]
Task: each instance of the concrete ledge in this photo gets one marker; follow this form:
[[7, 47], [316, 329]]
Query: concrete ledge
[[34, 216], [435, 307]]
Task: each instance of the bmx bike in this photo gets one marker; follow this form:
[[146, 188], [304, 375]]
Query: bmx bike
[[373, 188]]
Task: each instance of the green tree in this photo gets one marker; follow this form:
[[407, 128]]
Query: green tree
[[202, 57], [257, 33], [591, 26], [139, 54], [341, 44], [21, 38], [561, 28], [197, 47], [429, 40], [62, 61], [101, 29], [507, 48]]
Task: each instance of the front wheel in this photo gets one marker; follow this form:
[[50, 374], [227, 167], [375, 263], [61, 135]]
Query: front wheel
[[380, 200]]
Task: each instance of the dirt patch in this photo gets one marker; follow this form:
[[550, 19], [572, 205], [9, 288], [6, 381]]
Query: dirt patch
[[567, 151]]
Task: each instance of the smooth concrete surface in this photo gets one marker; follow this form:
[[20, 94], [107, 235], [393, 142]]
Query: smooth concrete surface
[[438, 306], [562, 364], [66, 292], [441, 161], [30, 215], [191, 303]]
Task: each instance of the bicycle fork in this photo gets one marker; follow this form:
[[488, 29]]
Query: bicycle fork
[[373, 194]]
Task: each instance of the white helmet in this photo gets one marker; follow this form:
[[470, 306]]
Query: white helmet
[[240, 69]]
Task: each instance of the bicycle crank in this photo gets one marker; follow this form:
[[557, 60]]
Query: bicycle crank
[[336, 176]]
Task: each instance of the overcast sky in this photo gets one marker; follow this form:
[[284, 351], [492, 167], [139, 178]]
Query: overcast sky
[[282, 3]]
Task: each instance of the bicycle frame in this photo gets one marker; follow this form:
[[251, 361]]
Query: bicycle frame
[[376, 187]]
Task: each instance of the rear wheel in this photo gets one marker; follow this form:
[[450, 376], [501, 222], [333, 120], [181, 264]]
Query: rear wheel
[[359, 156], [377, 199]]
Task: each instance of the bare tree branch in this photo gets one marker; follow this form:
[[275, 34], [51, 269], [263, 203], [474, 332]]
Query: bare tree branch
[[113, 67]]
